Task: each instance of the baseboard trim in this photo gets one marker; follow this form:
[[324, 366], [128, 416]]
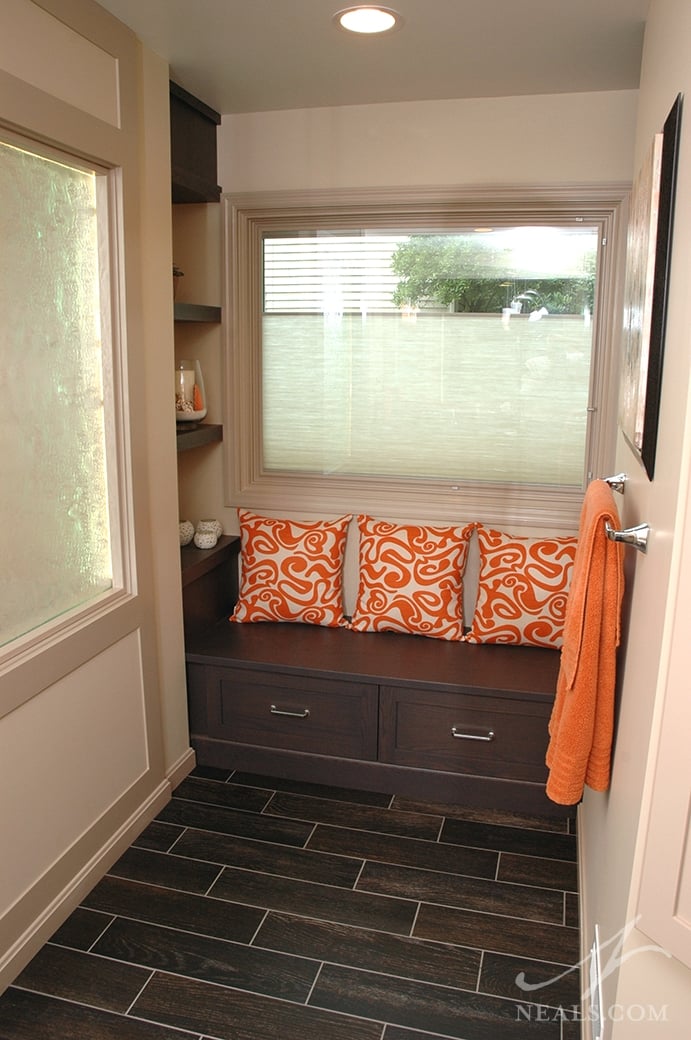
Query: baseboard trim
[[427, 784], [27, 945], [586, 1026], [182, 768]]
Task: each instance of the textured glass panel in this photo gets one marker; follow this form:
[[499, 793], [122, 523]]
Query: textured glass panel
[[55, 552]]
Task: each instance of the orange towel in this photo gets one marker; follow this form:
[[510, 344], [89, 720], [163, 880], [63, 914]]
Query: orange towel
[[582, 722]]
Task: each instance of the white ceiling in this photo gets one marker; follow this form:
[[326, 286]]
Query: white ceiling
[[259, 55]]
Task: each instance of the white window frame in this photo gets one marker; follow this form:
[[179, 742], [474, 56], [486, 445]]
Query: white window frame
[[249, 217]]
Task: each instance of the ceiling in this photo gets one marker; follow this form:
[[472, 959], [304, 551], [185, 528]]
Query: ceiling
[[261, 55]]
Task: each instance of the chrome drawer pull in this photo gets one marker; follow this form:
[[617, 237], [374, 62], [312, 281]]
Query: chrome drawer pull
[[471, 736], [290, 714]]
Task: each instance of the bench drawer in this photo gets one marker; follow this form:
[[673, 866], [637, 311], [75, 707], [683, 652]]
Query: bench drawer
[[485, 736], [293, 712]]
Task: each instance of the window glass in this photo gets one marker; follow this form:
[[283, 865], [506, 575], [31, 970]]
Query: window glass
[[455, 356], [54, 510], [432, 353]]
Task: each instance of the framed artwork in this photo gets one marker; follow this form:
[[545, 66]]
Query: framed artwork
[[648, 251]]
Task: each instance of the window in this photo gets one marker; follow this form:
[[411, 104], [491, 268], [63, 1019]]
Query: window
[[419, 357], [58, 468]]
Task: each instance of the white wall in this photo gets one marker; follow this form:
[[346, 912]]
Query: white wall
[[613, 825], [547, 139]]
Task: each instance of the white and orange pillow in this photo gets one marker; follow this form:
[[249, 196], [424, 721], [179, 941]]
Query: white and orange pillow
[[411, 578], [522, 589], [291, 570]]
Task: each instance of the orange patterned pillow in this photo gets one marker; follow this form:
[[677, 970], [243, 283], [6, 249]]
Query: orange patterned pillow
[[522, 589], [290, 570], [410, 579]]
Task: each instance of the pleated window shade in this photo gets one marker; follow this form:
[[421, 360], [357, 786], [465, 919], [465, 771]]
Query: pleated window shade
[[481, 373]]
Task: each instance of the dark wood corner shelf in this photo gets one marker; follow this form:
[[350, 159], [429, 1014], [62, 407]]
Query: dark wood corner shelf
[[196, 312], [209, 584], [196, 562], [205, 433]]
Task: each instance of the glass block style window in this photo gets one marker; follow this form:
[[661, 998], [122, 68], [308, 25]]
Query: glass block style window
[[56, 550]]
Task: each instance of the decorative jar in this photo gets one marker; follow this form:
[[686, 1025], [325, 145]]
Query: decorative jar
[[186, 532], [190, 395], [214, 526], [205, 539]]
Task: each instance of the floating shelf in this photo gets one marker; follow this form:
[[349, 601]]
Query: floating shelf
[[205, 433], [196, 312]]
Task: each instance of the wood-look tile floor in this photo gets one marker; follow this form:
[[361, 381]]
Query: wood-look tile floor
[[259, 909]]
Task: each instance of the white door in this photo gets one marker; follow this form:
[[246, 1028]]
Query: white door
[[664, 903]]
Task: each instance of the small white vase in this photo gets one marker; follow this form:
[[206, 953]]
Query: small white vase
[[205, 539], [215, 526], [186, 532]]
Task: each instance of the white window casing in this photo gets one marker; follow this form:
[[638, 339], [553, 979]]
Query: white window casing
[[250, 218]]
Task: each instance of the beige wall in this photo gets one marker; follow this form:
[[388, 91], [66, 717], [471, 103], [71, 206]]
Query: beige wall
[[613, 825], [157, 362], [93, 721], [547, 139]]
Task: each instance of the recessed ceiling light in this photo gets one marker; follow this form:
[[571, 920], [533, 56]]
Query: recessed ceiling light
[[368, 20]]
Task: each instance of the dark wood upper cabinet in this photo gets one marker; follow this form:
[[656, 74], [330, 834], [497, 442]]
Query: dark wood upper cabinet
[[193, 148]]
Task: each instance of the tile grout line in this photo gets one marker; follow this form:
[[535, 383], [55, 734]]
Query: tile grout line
[[414, 921], [252, 941], [480, 966], [269, 800], [359, 875], [152, 972], [217, 878], [169, 851], [113, 919], [306, 1001]]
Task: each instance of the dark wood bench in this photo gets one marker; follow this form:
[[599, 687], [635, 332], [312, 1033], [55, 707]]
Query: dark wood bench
[[424, 718]]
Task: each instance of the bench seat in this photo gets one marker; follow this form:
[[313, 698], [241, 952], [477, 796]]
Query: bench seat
[[424, 718]]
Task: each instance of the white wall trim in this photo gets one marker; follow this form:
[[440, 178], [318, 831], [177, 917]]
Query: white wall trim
[[585, 927], [58, 910], [182, 768]]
